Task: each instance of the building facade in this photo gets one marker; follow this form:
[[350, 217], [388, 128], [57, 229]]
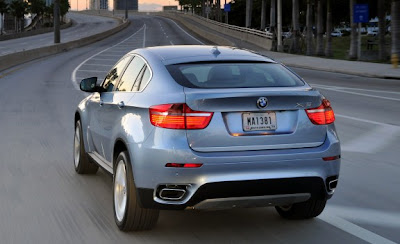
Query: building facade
[[120, 4], [98, 4]]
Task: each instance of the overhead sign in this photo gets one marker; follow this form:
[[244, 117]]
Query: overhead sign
[[360, 13], [227, 7]]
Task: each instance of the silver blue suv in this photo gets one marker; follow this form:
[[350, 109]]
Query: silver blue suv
[[204, 127]]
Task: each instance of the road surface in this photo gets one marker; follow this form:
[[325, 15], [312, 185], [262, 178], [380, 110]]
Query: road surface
[[43, 200], [83, 26]]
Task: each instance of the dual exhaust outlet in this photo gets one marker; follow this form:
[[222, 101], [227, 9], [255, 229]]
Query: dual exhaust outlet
[[171, 192]]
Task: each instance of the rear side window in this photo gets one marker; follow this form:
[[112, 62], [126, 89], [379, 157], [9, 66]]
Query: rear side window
[[233, 75], [128, 80]]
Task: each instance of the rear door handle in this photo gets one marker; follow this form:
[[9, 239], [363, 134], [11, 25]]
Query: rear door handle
[[121, 104]]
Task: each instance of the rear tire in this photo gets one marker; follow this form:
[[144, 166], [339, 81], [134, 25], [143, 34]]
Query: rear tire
[[128, 214], [81, 160], [303, 210]]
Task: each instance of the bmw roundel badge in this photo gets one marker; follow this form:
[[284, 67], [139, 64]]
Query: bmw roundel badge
[[262, 102]]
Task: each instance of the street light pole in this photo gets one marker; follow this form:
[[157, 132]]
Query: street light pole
[[77, 9], [126, 9]]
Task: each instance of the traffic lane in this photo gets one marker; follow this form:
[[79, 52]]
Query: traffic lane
[[85, 25], [367, 121]]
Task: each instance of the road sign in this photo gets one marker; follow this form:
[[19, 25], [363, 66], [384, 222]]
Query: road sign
[[360, 13], [227, 7]]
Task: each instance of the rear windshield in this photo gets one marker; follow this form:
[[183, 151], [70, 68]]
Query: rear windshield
[[233, 75]]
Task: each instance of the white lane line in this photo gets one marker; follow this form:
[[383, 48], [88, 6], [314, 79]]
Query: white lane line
[[372, 141], [171, 43], [109, 55], [353, 229], [357, 93], [90, 70], [144, 35], [355, 89], [104, 59], [105, 65], [366, 215], [73, 75], [194, 38], [363, 120]]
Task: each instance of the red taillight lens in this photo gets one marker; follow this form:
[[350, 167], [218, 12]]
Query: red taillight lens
[[178, 116], [176, 165], [331, 158], [322, 115]]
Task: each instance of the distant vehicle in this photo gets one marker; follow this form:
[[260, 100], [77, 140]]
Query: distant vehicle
[[205, 127], [373, 33], [336, 33]]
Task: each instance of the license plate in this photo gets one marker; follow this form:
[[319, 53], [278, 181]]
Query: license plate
[[259, 121]]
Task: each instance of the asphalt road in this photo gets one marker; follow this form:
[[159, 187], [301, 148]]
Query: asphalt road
[[83, 25], [43, 200]]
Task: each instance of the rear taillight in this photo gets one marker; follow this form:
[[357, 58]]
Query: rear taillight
[[322, 115], [178, 116]]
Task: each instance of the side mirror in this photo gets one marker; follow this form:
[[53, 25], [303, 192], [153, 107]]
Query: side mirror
[[89, 85]]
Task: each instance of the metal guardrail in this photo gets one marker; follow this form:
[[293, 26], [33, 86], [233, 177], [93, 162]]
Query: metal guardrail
[[232, 27]]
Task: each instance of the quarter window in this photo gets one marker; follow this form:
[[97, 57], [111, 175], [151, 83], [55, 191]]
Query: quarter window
[[128, 80]]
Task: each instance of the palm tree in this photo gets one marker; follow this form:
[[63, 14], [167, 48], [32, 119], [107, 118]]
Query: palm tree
[[320, 30], [381, 33], [328, 47], [296, 27], [353, 36], [310, 50], [3, 10], [395, 28]]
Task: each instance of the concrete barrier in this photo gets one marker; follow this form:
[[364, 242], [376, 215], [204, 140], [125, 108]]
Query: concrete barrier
[[243, 36], [34, 32], [13, 59]]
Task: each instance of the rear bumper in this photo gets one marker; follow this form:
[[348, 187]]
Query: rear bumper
[[227, 175], [254, 193]]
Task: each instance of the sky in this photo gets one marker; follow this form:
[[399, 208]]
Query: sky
[[143, 4]]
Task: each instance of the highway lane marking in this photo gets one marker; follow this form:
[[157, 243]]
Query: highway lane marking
[[353, 229], [194, 38], [355, 89], [73, 75], [383, 135], [105, 65], [364, 120], [171, 43], [366, 215], [357, 93], [104, 59], [144, 35]]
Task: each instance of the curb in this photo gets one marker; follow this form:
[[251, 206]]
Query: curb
[[13, 59]]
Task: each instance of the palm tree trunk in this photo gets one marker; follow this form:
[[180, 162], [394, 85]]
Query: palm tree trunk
[[395, 28], [353, 36], [296, 27], [203, 8], [249, 10], [273, 23], [328, 47], [381, 25], [310, 50], [320, 31], [263, 13]]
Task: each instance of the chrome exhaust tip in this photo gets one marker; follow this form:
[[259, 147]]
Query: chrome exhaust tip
[[172, 192], [332, 185]]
